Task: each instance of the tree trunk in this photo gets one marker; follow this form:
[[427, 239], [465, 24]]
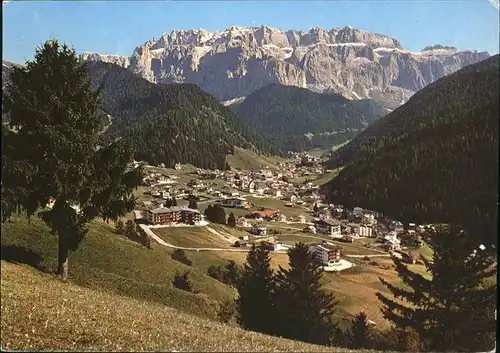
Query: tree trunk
[[62, 266]]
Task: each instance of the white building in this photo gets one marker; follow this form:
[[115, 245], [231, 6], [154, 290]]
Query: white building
[[327, 254], [360, 230], [258, 230], [357, 212], [393, 243], [330, 227], [369, 218], [234, 202], [242, 222]]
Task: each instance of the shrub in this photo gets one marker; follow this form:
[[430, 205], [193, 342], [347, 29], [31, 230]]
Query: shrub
[[226, 310], [180, 256], [216, 272], [120, 227], [182, 281]]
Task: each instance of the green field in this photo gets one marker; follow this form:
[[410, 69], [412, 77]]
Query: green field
[[113, 263], [193, 237], [40, 312], [244, 159], [278, 205]]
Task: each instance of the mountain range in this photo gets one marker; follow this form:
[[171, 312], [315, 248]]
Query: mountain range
[[167, 124], [434, 159], [296, 119], [238, 61]]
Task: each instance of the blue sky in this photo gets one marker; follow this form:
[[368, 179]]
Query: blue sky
[[114, 27]]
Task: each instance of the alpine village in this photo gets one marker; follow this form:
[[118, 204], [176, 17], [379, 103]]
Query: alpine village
[[249, 189]]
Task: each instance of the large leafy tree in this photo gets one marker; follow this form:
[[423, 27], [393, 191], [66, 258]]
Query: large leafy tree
[[255, 304], [454, 309], [304, 309], [52, 143]]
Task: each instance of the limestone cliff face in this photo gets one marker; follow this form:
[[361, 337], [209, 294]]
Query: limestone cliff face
[[238, 61]]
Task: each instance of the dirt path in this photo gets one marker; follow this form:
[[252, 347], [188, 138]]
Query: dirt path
[[213, 231], [164, 243]]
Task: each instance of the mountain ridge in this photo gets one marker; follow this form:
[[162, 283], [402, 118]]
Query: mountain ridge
[[296, 119], [170, 124], [432, 159], [236, 62]]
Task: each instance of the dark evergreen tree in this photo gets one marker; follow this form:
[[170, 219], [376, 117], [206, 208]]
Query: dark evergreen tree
[[231, 273], [231, 220], [192, 203], [168, 203], [182, 281], [217, 215], [255, 304], [315, 208], [304, 309], [450, 312], [174, 201], [54, 113], [209, 213], [360, 334], [120, 227]]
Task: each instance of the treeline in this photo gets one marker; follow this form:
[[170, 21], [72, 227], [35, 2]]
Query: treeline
[[432, 160], [291, 303], [170, 123], [285, 114]]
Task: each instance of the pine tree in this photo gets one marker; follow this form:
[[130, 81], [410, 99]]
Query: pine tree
[[168, 203], [255, 305], [315, 208], [360, 334], [120, 227], [231, 220], [454, 309], [53, 108], [192, 203], [209, 213], [231, 273], [218, 215], [174, 201], [304, 310]]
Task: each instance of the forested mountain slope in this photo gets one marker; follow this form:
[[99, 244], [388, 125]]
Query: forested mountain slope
[[434, 159], [170, 123], [296, 118]]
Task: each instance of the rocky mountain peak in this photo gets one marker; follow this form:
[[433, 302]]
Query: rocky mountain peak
[[237, 61]]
